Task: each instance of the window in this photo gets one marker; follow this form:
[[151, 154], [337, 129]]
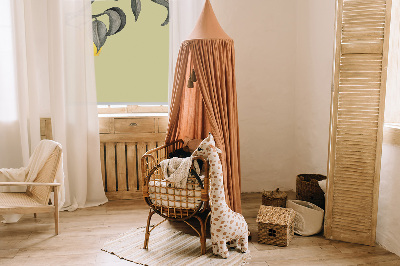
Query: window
[[139, 110], [131, 52]]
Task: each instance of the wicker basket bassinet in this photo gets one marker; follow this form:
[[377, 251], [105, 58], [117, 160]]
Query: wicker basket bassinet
[[172, 202]]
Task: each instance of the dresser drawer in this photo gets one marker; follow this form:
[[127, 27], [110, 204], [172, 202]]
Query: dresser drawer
[[134, 125], [106, 125]]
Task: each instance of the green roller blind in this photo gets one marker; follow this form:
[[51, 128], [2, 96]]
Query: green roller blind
[[132, 64]]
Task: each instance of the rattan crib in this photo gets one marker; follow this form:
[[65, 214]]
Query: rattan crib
[[170, 202]]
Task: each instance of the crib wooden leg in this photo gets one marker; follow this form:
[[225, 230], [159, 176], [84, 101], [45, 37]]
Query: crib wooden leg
[[203, 236], [147, 235], [203, 232]]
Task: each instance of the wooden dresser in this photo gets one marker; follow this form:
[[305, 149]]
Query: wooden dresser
[[123, 141]]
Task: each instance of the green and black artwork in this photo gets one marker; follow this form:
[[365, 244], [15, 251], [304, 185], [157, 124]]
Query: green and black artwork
[[117, 22]]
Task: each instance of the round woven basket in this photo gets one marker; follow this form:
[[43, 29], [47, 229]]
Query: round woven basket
[[308, 189], [309, 217]]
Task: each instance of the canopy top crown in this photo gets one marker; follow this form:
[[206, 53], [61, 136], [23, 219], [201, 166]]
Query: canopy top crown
[[207, 26]]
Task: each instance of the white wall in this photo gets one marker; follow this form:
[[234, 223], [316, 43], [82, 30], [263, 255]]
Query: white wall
[[314, 60], [284, 52], [284, 56], [388, 227]]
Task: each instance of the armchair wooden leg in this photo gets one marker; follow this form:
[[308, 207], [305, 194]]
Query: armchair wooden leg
[[147, 235], [56, 212]]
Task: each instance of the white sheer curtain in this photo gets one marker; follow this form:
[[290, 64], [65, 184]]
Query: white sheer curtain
[[9, 125], [54, 77], [183, 15]]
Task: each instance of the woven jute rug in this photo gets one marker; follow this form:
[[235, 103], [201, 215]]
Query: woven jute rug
[[168, 247]]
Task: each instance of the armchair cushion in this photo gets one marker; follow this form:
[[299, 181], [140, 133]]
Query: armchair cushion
[[17, 199]]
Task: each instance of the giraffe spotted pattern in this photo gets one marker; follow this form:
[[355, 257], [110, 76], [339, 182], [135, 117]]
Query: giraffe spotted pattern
[[226, 225]]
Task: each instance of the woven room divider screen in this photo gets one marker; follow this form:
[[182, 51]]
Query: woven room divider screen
[[358, 97]]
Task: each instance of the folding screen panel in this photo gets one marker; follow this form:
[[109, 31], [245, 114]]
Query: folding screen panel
[[358, 96]]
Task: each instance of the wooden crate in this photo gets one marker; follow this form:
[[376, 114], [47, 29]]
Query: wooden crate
[[123, 141], [46, 131]]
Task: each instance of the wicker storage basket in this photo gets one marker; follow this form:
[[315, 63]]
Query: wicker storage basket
[[274, 198], [308, 189], [275, 225]]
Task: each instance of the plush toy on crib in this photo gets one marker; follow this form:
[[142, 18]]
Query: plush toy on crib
[[226, 225]]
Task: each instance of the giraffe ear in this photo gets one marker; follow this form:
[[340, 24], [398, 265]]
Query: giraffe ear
[[216, 149]]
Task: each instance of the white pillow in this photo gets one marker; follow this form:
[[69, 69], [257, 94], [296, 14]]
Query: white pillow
[[322, 184]]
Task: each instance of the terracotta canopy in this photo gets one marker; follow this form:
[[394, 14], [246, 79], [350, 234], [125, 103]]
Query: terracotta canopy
[[211, 105]]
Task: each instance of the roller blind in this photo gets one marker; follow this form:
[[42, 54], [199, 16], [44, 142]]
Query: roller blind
[[358, 96], [131, 65]]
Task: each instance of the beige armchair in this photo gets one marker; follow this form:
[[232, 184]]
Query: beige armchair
[[36, 198]]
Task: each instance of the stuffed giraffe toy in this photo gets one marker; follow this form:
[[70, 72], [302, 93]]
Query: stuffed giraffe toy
[[226, 225]]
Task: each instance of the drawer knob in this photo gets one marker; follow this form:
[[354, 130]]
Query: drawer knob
[[133, 124]]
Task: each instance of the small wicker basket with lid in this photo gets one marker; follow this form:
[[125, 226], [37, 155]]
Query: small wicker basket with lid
[[274, 198]]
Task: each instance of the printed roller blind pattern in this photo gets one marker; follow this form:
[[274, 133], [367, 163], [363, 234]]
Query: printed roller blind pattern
[[358, 96]]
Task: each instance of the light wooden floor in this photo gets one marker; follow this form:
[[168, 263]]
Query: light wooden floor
[[83, 232]]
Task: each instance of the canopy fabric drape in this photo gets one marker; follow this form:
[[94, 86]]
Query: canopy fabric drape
[[211, 106]]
